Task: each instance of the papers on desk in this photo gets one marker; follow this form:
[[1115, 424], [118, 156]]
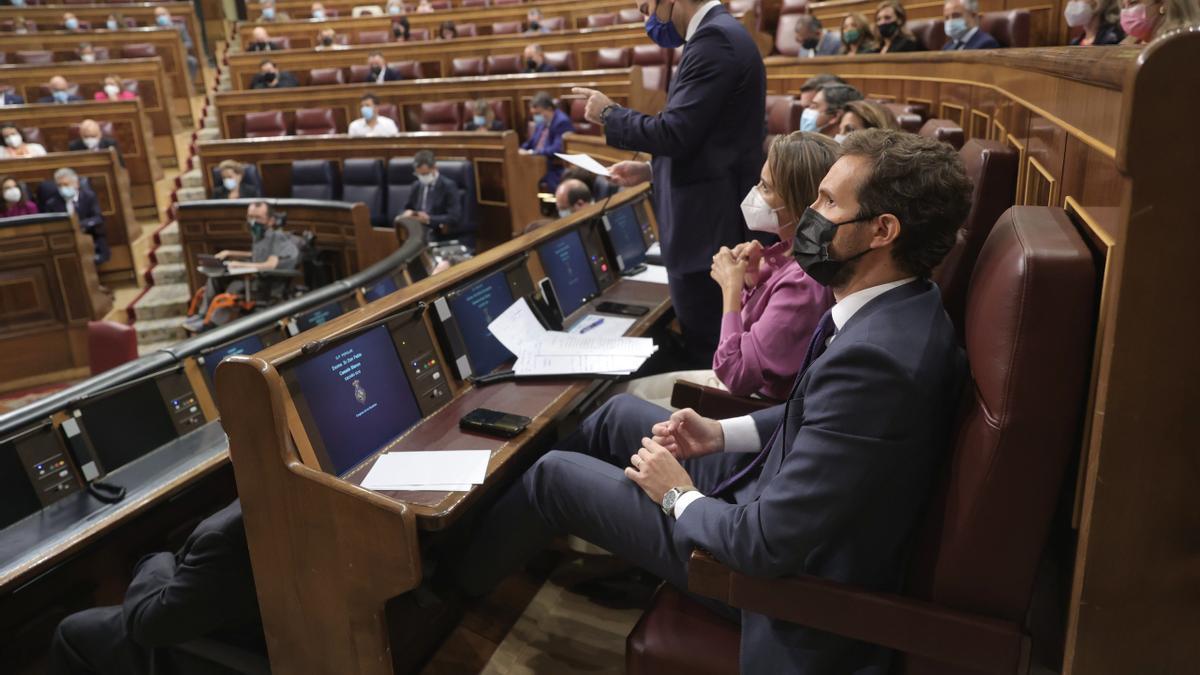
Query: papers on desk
[[439, 470], [653, 274], [584, 161], [543, 352], [595, 325]]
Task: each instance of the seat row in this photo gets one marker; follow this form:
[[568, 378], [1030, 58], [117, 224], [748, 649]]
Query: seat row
[[31, 26], [133, 50], [496, 64], [1011, 28]]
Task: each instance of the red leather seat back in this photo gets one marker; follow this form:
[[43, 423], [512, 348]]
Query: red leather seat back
[[783, 114], [32, 135], [561, 60], [315, 121], [581, 123], [506, 28], [374, 37], [34, 56], [649, 55], [359, 73], [930, 32], [109, 345], [473, 3], [630, 16], [793, 7], [503, 64], [614, 57], [418, 34], [441, 116], [466, 30], [945, 131], [440, 5], [1010, 28], [554, 23], [319, 76], [389, 111], [138, 50], [665, 639], [466, 66], [600, 20], [264, 124], [502, 3], [785, 34], [282, 42], [409, 70]]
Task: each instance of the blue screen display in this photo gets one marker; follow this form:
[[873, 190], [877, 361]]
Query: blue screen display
[[247, 345], [319, 316], [385, 286], [474, 308], [359, 397], [566, 263], [625, 233]]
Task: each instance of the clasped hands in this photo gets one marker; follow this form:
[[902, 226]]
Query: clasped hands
[[419, 215], [737, 268], [686, 434]]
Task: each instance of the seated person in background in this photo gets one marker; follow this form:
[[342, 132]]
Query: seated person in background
[[15, 146], [269, 14], [533, 21], [260, 40], [814, 40], [572, 194], [72, 197], [425, 7], [162, 19], [858, 35], [206, 590], [864, 114], [825, 111], [831, 484], [535, 59], [113, 22], [379, 70], [90, 138], [808, 90], [327, 39], [233, 185], [434, 200], [962, 27], [1099, 19], [447, 31], [69, 22], [551, 124], [10, 98], [16, 202], [60, 91], [484, 118], [372, 123], [114, 90], [396, 8], [269, 77], [23, 26], [86, 52], [894, 36], [271, 249], [317, 11], [401, 30]]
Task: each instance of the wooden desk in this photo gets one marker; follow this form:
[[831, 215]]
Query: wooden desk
[[154, 91], [111, 184], [130, 128], [49, 17], [505, 180]]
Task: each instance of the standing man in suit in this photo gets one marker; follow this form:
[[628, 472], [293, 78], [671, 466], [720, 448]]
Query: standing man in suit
[[90, 138], [205, 590], [379, 71], [60, 91], [706, 147], [962, 27], [547, 138], [434, 200], [69, 196], [831, 482], [10, 98]]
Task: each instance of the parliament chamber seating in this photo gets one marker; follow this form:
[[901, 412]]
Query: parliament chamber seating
[[371, 37], [109, 345], [265, 124], [34, 56], [402, 180], [561, 61], [504, 64], [1010, 28], [409, 70], [473, 3], [500, 108], [555, 23], [575, 110], [946, 131], [467, 66], [138, 50], [362, 181], [783, 116], [507, 28], [250, 176], [1029, 328], [466, 30], [653, 61], [419, 35], [315, 121], [320, 76], [630, 16], [614, 57], [600, 20], [441, 116], [314, 179], [929, 32]]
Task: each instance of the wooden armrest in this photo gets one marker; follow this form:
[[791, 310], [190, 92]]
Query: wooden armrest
[[713, 402], [894, 621]]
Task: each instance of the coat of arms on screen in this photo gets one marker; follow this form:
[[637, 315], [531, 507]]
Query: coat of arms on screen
[[360, 394]]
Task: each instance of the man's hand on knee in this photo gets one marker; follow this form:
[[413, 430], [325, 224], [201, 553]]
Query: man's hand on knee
[[688, 434], [656, 470]]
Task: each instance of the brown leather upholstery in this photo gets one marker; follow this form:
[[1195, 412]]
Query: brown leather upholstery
[[600, 20], [614, 57], [466, 30], [561, 60], [992, 167], [440, 5], [418, 35], [263, 124], [109, 345], [631, 15], [679, 635], [785, 34], [138, 50], [554, 23], [101, 53], [504, 64], [319, 76], [465, 66], [653, 60], [581, 123], [441, 116], [793, 7], [502, 3], [783, 114], [1011, 28], [359, 73], [389, 111], [945, 131], [34, 56], [315, 121], [409, 70], [930, 32], [713, 402], [372, 37], [507, 28], [473, 3]]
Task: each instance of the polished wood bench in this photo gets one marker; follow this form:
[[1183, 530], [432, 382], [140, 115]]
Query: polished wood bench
[[49, 17]]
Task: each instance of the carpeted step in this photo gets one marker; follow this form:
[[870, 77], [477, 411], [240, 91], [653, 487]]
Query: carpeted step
[[167, 300], [208, 134], [169, 235], [160, 330], [191, 194], [191, 179], [168, 254], [174, 273]]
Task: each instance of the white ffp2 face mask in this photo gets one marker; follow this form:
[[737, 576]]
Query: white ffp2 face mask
[[12, 195], [759, 215]]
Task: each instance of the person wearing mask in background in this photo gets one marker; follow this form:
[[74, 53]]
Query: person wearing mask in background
[[813, 39], [163, 19], [547, 138], [372, 123], [864, 114], [86, 52], [269, 77], [401, 31], [484, 118], [378, 70], [113, 22], [60, 91], [1143, 20], [72, 197], [857, 35], [23, 26], [706, 148], [114, 90], [434, 199], [396, 8], [826, 108], [260, 40], [1098, 22], [69, 22], [447, 31], [10, 98], [269, 14], [534, 23], [572, 194], [233, 183], [91, 139], [15, 146], [327, 40], [535, 59], [891, 24], [961, 24], [425, 7], [317, 11], [16, 202]]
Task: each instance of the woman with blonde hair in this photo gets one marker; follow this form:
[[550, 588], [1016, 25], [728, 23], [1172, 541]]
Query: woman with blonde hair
[[864, 114], [891, 24], [114, 90], [858, 36]]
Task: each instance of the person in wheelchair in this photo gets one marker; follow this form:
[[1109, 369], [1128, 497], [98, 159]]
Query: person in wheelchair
[[226, 293]]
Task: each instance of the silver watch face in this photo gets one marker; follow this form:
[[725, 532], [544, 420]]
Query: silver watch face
[[669, 500]]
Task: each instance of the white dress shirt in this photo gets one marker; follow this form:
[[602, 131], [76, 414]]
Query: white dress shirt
[[384, 126], [698, 17], [741, 435]]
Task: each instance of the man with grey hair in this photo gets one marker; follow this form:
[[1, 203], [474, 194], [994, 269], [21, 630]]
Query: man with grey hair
[[60, 91], [572, 194], [826, 108], [435, 199], [813, 39], [67, 195], [962, 27], [91, 138]]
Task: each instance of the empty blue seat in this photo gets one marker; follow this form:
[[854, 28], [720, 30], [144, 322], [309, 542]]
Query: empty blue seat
[[400, 181], [314, 179], [362, 181]]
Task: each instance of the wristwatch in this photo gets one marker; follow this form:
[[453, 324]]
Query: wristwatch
[[672, 496], [605, 113]]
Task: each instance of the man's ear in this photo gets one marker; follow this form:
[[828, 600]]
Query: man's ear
[[886, 229]]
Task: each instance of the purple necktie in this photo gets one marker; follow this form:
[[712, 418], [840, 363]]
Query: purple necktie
[[816, 347]]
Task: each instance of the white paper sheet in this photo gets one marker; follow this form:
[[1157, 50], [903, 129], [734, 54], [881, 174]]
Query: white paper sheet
[[428, 488], [420, 469], [570, 364], [609, 326], [655, 249], [543, 352], [568, 344], [584, 161], [654, 274], [517, 328]]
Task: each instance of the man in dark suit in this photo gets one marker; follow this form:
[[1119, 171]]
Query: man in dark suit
[[60, 92], [206, 590], [90, 138], [706, 147], [962, 27], [547, 138], [11, 98], [269, 77], [434, 199], [379, 70], [535, 59], [831, 482], [67, 195]]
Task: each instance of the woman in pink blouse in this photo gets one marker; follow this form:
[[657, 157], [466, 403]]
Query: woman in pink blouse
[[114, 90]]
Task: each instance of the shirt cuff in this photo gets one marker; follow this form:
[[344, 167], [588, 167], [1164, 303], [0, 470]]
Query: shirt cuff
[[741, 434], [685, 499]]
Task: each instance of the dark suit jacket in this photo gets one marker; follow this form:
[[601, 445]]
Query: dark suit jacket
[[559, 125], [9, 98], [845, 479], [978, 40], [903, 44], [206, 589], [105, 142], [87, 211], [706, 143], [445, 207], [496, 125], [544, 68], [246, 190], [390, 75], [70, 99], [285, 80]]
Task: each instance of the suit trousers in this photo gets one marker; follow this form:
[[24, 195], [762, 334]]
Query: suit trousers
[[697, 302]]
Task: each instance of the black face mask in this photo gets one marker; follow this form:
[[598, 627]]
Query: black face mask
[[810, 247], [810, 43], [269, 77], [533, 25], [375, 71], [531, 64], [327, 41], [887, 30]]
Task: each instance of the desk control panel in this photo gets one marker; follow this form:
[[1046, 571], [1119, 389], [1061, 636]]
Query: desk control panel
[[181, 402], [597, 255], [425, 372]]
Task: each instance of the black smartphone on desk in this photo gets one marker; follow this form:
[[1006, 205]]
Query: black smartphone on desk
[[621, 308], [493, 422]]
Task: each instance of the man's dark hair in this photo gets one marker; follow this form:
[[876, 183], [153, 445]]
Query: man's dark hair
[[424, 158], [817, 81], [374, 53], [838, 95], [369, 97], [265, 62], [813, 23], [272, 212], [542, 100], [578, 191], [922, 182], [582, 175]]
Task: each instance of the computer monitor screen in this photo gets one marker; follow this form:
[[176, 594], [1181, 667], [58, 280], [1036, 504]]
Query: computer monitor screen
[[357, 396], [566, 263], [247, 345], [127, 424], [18, 498], [381, 288], [319, 316], [476, 306], [625, 233]]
